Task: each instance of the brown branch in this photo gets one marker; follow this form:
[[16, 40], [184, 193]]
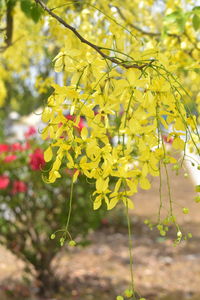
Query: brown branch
[[83, 40], [9, 24], [9, 27]]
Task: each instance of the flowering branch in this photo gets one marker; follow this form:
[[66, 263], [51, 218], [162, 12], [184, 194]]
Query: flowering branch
[[83, 40]]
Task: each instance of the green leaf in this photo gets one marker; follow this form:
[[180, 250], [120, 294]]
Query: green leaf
[[196, 10], [196, 22], [178, 17], [181, 23], [173, 16], [31, 10], [26, 7], [36, 13]]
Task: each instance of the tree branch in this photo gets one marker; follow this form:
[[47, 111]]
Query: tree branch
[[9, 24], [9, 27], [144, 32], [83, 40]]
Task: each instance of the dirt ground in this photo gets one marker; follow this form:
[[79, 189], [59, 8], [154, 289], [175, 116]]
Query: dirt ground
[[101, 270]]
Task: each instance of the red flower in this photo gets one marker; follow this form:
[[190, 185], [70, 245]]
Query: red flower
[[4, 181], [31, 131], [37, 161], [4, 148], [19, 187], [10, 158], [16, 147]]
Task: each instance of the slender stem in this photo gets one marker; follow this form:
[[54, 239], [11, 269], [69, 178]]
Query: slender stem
[[70, 205], [130, 251], [160, 193]]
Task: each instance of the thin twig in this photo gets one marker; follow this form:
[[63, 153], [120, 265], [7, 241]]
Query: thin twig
[[144, 32], [134, 26]]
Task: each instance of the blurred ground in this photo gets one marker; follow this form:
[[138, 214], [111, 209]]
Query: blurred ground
[[101, 270]]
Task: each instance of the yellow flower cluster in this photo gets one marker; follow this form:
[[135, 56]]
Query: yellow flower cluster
[[124, 110]]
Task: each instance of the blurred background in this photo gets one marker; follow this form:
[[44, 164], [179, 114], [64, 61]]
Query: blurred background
[[32, 265]]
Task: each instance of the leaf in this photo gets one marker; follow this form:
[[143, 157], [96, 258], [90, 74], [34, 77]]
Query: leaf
[[177, 17], [181, 23], [31, 10], [173, 16], [36, 12], [196, 10], [196, 22], [26, 7]]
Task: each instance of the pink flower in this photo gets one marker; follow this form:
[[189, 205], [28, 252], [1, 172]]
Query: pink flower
[[4, 182], [10, 158], [26, 146], [31, 131], [37, 160], [167, 139], [19, 187], [4, 148], [81, 123]]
